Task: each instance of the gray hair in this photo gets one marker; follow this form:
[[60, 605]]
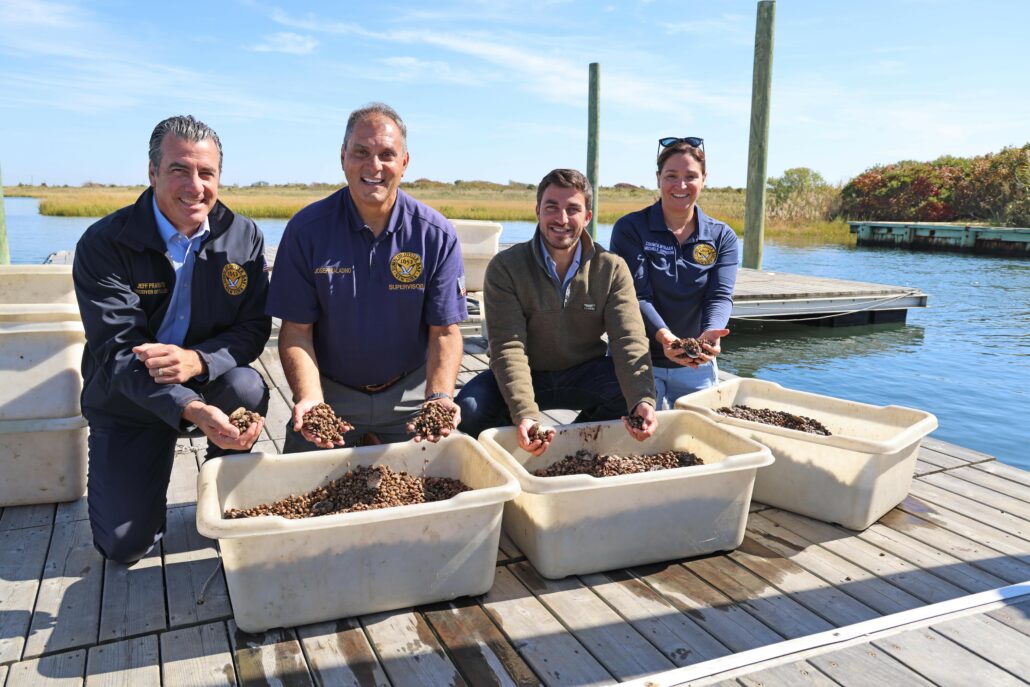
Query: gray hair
[[371, 110], [186, 128]]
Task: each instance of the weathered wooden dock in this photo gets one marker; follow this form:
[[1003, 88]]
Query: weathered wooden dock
[[965, 238], [909, 601]]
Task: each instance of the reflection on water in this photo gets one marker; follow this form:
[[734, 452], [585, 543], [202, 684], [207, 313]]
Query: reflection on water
[[965, 358]]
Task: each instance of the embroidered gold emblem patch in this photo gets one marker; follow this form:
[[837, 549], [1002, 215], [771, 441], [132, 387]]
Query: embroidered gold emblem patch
[[406, 267], [704, 254], [234, 279]]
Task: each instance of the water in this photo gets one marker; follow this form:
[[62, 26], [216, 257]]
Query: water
[[965, 358]]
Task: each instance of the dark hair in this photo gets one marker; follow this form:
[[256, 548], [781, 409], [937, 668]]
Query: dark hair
[[678, 148], [566, 178], [186, 128], [371, 110]]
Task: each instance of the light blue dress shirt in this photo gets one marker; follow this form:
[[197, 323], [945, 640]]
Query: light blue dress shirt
[[552, 268], [182, 252]]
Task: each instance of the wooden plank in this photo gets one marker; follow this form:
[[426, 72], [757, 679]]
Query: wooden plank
[[612, 640], [507, 550], [1015, 615], [553, 653], [846, 544], [58, 670], [967, 454], [128, 663], [940, 660], [995, 483], [67, 613], [410, 653], [21, 566], [72, 510], [339, 653], [942, 461], [839, 572], [709, 608], [968, 527], [804, 587], [182, 487], [863, 665], [479, 649], [994, 641], [134, 598], [674, 633], [474, 364], [940, 562], [924, 468], [1007, 471], [265, 446], [3, 674], [1008, 568], [269, 658], [194, 582], [777, 610], [280, 410], [21, 517], [987, 512], [197, 657], [272, 366], [788, 675]]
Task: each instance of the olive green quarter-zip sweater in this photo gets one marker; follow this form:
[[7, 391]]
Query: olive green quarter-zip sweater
[[530, 328]]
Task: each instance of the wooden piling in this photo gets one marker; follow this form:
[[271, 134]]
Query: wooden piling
[[5, 253], [757, 157], [593, 128]]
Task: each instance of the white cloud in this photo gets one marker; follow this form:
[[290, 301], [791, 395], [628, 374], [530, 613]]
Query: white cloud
[[286, 42]]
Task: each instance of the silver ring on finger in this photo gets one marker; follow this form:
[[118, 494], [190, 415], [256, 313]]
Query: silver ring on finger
[[162, 371]]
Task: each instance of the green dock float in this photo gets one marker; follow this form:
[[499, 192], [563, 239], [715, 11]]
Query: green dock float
[[946, 237]]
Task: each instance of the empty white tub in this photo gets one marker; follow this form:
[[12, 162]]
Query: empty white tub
[[480, 241], [39, 369], [578, 524], [283, 572], [852, 477], [42, 461], [36, 284]]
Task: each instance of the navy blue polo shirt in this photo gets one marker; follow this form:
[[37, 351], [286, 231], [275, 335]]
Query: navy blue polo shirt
[[371, 299], [687, 289]]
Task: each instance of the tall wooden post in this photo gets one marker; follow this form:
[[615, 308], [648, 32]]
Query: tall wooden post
[[593, 126], [5, 253], [761, 88]]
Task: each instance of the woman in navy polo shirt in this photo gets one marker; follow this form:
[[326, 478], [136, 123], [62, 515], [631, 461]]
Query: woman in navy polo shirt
[[684, 266]]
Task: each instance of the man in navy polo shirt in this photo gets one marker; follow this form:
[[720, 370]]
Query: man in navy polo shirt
[[370, 286]]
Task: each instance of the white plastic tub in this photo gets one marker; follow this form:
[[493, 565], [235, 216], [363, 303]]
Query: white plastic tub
[[39, 369], [480, 241], [42, 461], [36, 284], [284, 572], [578, 524], [852, 477]]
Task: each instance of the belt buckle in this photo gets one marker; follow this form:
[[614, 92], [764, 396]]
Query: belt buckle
[[375, 388]]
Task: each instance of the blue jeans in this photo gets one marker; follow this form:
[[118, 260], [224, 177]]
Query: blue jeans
[[590, 388], [672, 382]]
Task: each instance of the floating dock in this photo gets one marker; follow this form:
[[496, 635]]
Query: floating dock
[[945, 237], [936, 592]]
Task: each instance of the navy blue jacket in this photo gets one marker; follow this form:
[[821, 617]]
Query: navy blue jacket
[[124, 281]]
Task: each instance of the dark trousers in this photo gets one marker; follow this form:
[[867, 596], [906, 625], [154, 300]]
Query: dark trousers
[[130, 466], [590, 388]]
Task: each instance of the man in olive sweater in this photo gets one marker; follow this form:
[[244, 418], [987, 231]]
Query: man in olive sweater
[[548, 303]]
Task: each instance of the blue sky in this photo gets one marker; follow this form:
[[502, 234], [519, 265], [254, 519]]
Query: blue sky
[[497, 90]]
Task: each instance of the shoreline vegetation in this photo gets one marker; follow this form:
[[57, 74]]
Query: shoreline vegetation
[[512, 202]]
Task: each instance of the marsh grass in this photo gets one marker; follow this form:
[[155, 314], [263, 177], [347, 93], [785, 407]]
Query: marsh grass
[[467, 200]]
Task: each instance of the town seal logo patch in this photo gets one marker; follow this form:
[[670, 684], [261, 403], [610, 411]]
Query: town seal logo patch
[[234, 279], [406, 267], [704, 254]]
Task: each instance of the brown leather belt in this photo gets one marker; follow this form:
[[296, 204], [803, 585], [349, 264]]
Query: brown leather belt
[[376, 388]]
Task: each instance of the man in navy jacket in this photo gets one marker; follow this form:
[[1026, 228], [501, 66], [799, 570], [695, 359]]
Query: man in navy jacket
[[172, 295]]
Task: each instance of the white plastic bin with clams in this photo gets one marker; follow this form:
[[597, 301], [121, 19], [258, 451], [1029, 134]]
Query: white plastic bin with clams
[[284, 572], [852, 477], [36, 284], [579, 524]]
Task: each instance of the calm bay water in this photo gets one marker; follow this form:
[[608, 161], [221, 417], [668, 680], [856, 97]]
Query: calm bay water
[[965, 358]]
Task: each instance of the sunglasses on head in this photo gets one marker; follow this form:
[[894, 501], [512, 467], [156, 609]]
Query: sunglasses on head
[[693, 141]]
